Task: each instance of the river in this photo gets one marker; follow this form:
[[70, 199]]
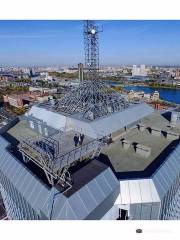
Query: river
[[170, 95]]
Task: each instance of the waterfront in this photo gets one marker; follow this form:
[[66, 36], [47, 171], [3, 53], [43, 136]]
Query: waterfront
[[170, 95]]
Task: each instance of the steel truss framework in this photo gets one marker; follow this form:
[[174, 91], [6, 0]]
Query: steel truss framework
[[93, 98]]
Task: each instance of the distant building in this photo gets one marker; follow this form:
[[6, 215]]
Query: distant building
[[155, 96], [43, 90], [45, 76], [81, 72], [139, 71], [26, 71], [141, 95], [31, 72], [19, 100], [177, 74], [14, 100]]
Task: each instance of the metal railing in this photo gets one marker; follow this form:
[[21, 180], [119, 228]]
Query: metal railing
[[37, 154], [75, 154]]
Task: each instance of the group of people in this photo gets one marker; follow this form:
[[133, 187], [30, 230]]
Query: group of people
[[78, 140]]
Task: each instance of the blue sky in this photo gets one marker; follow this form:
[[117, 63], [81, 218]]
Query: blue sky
[[61, 42]]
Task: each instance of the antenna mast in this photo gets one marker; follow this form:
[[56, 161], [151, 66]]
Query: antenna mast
[[91, 47], [92, 99]]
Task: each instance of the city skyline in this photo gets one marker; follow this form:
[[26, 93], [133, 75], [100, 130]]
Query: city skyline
[[59, 42]]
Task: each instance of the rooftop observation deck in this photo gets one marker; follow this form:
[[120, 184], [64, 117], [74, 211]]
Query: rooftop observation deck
[[51, 153], [139, 152]]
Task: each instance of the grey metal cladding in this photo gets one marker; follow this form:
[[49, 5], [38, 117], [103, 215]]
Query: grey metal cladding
[[63, 213], [103, 183], [78, 206], [23, 180], [70, 214], [155, 211], [171, 168], [167, 182], [60, 205], [104, 206], [146, 211], [88, 199], [109, 175], [93, 188], [138, 212]]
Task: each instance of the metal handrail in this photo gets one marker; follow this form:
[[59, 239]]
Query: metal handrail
[[74, 151], [61, 160]]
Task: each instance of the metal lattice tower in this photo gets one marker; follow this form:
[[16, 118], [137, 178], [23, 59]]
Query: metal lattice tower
[[93, 98], [91, 47]]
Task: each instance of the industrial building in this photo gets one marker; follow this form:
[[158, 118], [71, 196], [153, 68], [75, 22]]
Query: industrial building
[[124, 165]]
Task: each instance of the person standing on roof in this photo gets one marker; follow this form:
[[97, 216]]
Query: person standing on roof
[[76, 140], [81, 139]]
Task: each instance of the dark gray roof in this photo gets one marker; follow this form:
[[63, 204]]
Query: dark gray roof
[[167, 173], [91, 201], [90, 198], [85, 174]]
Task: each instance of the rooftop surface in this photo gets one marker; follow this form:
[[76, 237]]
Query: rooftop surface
[[128, 160], [121, 160], [22, 131]]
